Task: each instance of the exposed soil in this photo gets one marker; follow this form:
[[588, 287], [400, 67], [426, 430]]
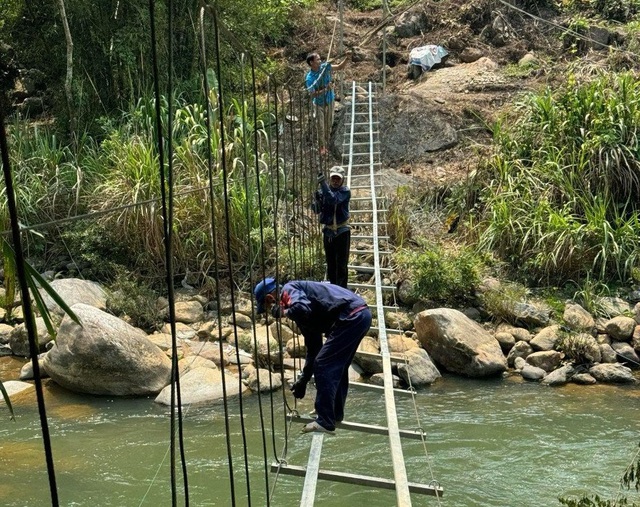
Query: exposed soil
[[470, 90]]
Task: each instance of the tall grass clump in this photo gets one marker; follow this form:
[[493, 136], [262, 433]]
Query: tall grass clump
[[447, 275], [560, 196], [129, 161]]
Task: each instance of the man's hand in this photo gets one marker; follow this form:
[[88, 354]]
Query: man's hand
[[276, 311], [321, 177], [299, 388]]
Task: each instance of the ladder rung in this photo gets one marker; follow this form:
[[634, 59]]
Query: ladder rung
[[370, 286], [389, 331], [364, 428], [369, 269], [366, 252], [363, 480], [365, 144], [363, 165], [367, 211], [373, 355], [370, 237]]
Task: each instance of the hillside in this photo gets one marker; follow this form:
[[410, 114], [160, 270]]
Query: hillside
[[496, 53]]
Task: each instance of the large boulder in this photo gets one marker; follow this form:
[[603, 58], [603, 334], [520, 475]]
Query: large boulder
[[459, 344], [106, 356], [75, 290], [203, 385]]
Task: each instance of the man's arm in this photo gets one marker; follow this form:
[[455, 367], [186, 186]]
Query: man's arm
[[343, 63], [313, 343]]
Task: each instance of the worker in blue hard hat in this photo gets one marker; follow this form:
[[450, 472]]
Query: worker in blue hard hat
[[320, 308]]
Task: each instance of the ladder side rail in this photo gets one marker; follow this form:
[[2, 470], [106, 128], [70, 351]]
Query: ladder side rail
[[403, 496], [311, 474]]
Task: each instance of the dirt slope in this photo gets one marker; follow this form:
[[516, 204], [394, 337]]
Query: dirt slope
[[485, 38]]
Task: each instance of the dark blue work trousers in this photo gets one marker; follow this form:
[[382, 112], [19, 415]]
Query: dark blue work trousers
[[336, 252], [331, 367]]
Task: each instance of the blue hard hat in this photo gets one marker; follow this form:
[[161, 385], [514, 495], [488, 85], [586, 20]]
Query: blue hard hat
[[266, 286]]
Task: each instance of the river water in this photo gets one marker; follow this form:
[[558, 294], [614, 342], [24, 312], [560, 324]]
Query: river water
[[490, 443]]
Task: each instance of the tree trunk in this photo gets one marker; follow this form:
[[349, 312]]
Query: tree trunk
[[67, 82]]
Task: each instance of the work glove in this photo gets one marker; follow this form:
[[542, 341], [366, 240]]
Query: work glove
[[321, 177], [277, 312], [299, 388]]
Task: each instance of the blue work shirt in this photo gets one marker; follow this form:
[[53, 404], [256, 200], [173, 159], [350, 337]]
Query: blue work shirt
[[316, 80]]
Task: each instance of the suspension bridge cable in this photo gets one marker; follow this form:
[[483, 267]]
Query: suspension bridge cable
[[249, 223], [214, 243], [26, 308], [166, 180], [272, 97], [227, 221]]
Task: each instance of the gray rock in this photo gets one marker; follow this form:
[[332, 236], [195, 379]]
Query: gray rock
[[548, 360], [369, 364], [203, 385], [620, 328], [106, 356], [264, 381], [560, 376], [506, 340], [520, 350], [27, 373], [75, 290], [584, 379], [546, 339], [607, 354], [531, 315], [189, 312], [459, 344], [519, 363], [625, 353], [14, 388], [578, 318], [5, 333], [19, 339], [613, 306], [419, 370], [530, 372], [612, 373]]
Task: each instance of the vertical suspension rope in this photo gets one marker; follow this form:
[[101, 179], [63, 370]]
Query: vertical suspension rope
[[225, 182], [214, 237], [26, 308], [167, 216], [262, 257]]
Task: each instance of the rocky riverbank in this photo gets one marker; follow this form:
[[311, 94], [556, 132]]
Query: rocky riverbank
[[108, 356]]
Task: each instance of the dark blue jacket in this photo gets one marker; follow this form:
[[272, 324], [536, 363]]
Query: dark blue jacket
[[334, 211], [316, 307]]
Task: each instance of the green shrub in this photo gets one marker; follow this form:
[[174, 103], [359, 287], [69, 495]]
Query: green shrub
[[445, 275], [580, 348], [500, 301], [135, 300]]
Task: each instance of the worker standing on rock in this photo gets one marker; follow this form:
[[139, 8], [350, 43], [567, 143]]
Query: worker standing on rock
[[319, 84], [320, 308]]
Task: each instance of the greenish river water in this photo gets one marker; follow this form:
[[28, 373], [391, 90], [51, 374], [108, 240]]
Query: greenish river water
[[491, 443]]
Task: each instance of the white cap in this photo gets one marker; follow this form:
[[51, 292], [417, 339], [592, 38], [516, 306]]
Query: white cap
[[336, 170]]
